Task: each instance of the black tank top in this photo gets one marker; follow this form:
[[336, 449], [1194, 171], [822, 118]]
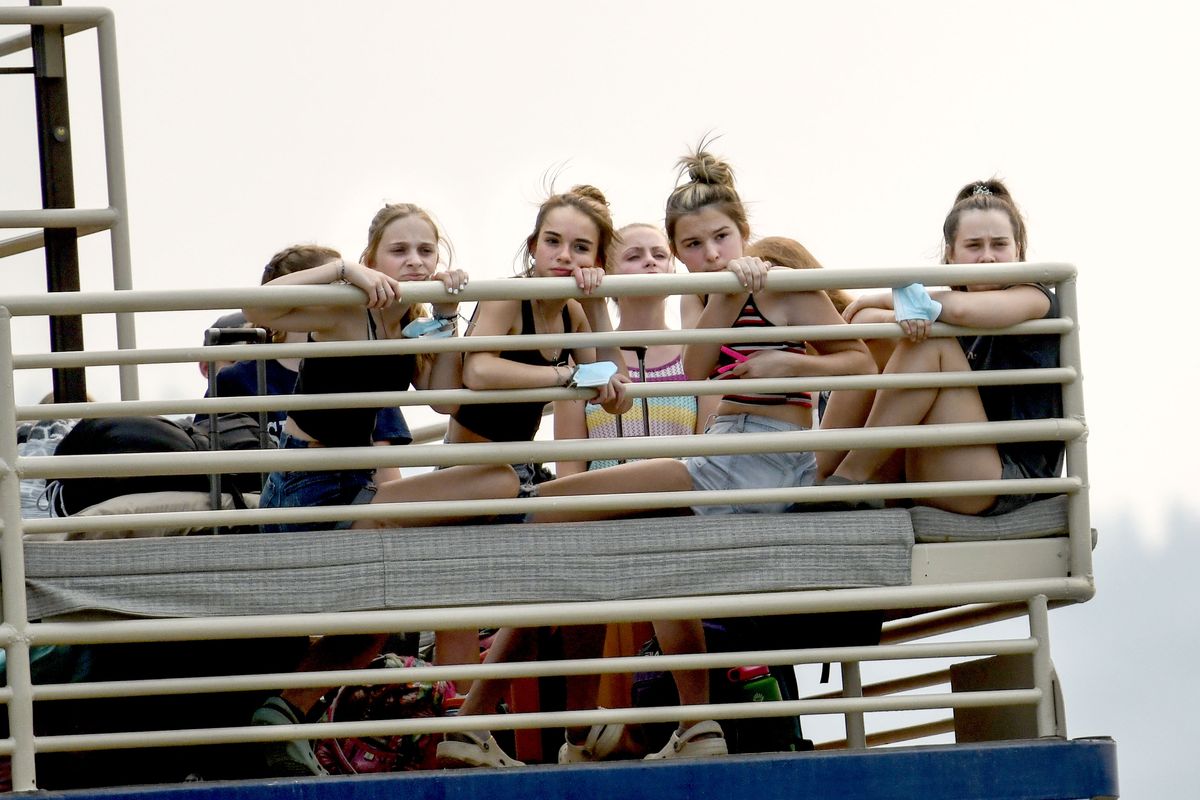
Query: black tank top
[[349, 427], [513, 422]]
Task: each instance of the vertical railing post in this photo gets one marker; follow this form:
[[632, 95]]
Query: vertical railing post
[[58, 191], [856, 728], [12, 575], [1039, 629], [1078, 517], [118, 200]]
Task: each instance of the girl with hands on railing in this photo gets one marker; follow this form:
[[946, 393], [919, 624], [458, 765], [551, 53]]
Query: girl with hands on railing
[[983, 227], [571, 237], [403, 246]]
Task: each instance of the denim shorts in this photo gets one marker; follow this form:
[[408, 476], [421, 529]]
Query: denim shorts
[[1005, 503], [312, 489], [750, 470]]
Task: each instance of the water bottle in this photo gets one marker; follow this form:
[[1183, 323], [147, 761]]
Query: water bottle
[[769, 734]]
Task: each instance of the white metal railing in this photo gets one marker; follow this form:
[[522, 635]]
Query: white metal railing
[[114, 218], [971, 601]]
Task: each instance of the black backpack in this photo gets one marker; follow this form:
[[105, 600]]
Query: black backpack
[[116, 435]]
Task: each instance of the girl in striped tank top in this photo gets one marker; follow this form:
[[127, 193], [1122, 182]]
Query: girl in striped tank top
[[642, 249]]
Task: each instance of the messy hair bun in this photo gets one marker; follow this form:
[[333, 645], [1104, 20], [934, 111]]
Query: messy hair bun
[[710, 183], [985, 195], [587, 200]]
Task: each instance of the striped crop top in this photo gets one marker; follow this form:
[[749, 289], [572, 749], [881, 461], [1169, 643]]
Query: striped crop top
[[751, 317], [669, 416]]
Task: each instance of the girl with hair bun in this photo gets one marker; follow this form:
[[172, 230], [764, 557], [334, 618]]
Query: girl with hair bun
[[571, 237], [708, 230], [984, 226]]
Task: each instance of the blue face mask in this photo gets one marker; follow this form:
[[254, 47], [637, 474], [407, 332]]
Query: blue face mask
[[590, 376], [426, 328], [914, 302]]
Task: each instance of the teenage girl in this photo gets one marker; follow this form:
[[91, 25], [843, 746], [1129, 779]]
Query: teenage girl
[[402, 245], [642, 249], [571, 237], [708, 229], [983, 227]]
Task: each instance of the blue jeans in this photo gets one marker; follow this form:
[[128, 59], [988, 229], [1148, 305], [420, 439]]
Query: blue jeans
[[311, 489]]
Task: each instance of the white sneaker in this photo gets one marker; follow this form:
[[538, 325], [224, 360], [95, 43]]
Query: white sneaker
[[601, 741], [472, 749], [702, 739]]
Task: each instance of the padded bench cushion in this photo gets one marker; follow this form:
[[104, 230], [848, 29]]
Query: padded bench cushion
[[480, 564], [1042, 519]]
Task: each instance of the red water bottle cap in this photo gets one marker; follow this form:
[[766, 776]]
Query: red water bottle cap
[[743, 674]]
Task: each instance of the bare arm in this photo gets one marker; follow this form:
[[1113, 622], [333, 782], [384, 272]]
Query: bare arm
[[993, 308], [570, 423], [332, 322], [488, 370]]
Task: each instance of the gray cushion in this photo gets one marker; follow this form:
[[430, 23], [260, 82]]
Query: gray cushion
[[481, 564], [1037, 520]]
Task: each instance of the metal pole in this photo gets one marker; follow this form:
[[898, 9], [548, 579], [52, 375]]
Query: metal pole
[[1039, 629], [58, 191], [12, 576], [856, 729], [118, 200]]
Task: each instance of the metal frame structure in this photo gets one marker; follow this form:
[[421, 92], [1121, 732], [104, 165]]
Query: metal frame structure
[[967, 601]]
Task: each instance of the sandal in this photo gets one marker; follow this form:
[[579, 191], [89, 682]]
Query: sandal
[[473, 749], [702, 739], [601, 742]]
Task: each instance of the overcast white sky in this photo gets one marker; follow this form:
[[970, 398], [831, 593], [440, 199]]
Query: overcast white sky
[[250, 126]]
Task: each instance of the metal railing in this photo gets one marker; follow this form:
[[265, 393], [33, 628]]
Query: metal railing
[[114, 218], [966, 603]]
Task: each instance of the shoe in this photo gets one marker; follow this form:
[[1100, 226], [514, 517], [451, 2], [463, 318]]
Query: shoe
[[286, 759], [601, 742], [471, 749], [702, 739], [862, 504]]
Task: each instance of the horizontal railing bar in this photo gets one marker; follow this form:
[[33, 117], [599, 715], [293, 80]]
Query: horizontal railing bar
[[212, 405], [444, 455], [527, 669], [24, 41], [535, 288], [88, 16], [35, 241], [894, 735], [593, 503], [59, 218], [530, 615], [470, 344], [326, 730], [905, 684], [934, 623]]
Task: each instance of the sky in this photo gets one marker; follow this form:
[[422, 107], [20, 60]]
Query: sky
[[252, 126]]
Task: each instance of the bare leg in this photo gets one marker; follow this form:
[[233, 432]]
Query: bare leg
[[582, 641], [467, 482], [845, 409], [457, 647], [509, 644], [681, 636], [929, 406], [653, 475]]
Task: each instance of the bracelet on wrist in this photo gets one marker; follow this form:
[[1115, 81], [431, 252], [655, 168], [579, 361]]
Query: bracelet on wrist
[[446, 317]]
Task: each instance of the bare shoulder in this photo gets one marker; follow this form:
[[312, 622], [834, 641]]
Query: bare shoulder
[[497, 318], [798, 308]]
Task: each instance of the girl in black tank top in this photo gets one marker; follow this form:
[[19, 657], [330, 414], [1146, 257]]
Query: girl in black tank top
[[570, 239], [403, 246]]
